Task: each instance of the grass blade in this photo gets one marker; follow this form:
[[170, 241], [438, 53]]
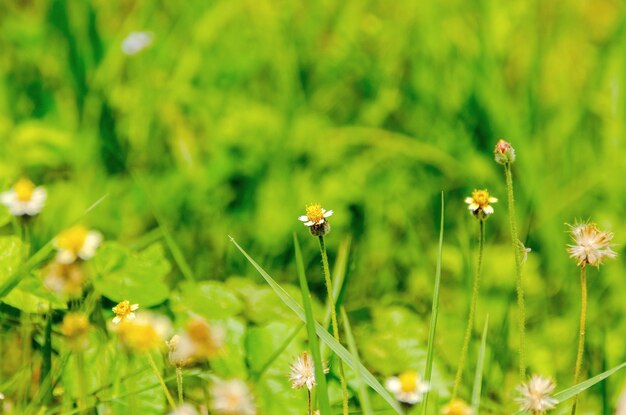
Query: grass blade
[[435, 311], [583, 386], [320, 377], [324, 335], [364, 399], [478, 379]]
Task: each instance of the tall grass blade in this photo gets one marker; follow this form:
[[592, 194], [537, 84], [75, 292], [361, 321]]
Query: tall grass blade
[[364, 399], [478, 379], [583, 386], [324, 335], [435, 311], [320, 377]]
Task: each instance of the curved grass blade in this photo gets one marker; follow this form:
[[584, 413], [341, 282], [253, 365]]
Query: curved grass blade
[[364, 399], [478, 379], [582, 386], [323, 334], [435, 311], [320, 377]]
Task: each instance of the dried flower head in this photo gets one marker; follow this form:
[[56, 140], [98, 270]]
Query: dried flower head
[[315, 219], [75, 243], [24, 198], [591, 245], [145, 333], [480, 203], [302, 372], [232, 397], [536, 395], [64, 279], [457, 407], [407, 387], [124, 311], [198, 340], [75, 328], [504, 153]]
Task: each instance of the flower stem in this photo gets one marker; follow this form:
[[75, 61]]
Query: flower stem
[[81, 379], [179, 384], [581, 334], [333, 316], [518, 270], [472, 311], [310, 403], [156, 371]]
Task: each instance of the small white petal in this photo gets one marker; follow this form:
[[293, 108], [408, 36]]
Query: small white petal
[[469, 200], [117, 319], [473, 207], [488, 210], [393, 384], [65, 256], [327, 214], [493, 200], [309, 223], [303, 218]]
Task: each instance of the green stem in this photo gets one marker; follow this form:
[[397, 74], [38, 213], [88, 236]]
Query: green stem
[[333, 315], [81, 379], [179, 384], [472, 311], [581, 334], [310, 406], [157, 372], [518, 270], [46, 362]]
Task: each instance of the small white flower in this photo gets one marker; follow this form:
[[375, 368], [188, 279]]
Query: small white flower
[[135, 42], [535, 395], [480, 203], [124, 311], [592, 245], [315, 215], [24, 198], [185, 409], [75, 243], [232, 397], [407, 387], [302, 372], [621, 405]]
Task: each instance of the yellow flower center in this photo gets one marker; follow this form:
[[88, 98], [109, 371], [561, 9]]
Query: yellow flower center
[[457, 407], [481, 198], [123, 309], [75, 325], [408, 381], [140, 337], [314, 213], [24, 189], [202, 336], [72, 239]]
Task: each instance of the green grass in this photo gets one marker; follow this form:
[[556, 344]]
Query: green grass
[[242, 112]]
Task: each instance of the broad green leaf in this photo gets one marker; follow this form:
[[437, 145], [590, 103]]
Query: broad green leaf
[[231, 362], [137, 277], [32, 297], [210, 299], [10, 256], [5, 215], [324, 335]]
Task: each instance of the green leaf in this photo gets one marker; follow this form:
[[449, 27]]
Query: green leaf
[[10, 256], [434, 313], [5, 215], [320, 377], [210, 299], [364, 398], [324, 335], [135, 277], [478, 379], [32, 297]]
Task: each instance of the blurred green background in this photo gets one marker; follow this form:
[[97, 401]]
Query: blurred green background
[[240, 112]]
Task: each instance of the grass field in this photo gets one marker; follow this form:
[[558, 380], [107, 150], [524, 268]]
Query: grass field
[[235, 115]]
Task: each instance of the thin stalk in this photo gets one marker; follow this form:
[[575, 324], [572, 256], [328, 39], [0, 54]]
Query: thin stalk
[[333, 316], [472, 311], [46, 363], [156, 371], [310, 406], [179, 384], [81, 379], [518, 271], [581, 334]]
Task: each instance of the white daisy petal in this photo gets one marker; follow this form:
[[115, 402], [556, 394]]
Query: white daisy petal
[[327, 214], [303, 218]]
